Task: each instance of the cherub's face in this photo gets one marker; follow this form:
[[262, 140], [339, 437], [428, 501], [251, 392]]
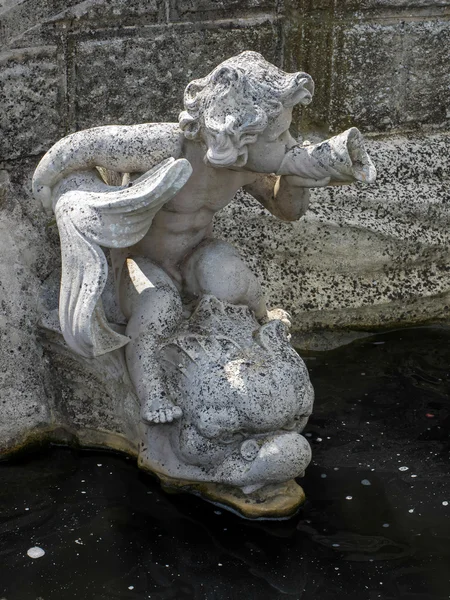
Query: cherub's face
[[267, 153]]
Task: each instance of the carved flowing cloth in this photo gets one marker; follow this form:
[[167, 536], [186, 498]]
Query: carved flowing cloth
[[113, 219]]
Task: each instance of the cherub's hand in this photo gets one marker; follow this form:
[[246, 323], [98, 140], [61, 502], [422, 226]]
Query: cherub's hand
[[278, 314], [305, 182]]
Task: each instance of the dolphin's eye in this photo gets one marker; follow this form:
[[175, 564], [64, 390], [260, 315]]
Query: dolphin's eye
[[232, 437]]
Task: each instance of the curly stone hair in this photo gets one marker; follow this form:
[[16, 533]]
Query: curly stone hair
[[228, 108]]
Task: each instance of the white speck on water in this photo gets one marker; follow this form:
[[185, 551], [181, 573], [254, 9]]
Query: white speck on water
[[318, 439], [78, 541], [349, 497], [99, 465], [83, 492], [219, 565], [413, 475], [365, 482], [336, 545], [411, 510], [445, 503], [336, 469], [386, 525], [403, 468], [167, 565], [35, 552], [27, 509], [131, 587], [323, 475]]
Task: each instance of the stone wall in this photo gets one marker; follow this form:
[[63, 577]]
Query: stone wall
[[361, 258]]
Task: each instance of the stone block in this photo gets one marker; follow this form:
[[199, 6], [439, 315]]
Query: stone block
[[30, 83], [391, 76], [104, 13], [18, 18], [347, 6], [411, 5], [426, 97], [196, 10], [142, 79], [40, 22]]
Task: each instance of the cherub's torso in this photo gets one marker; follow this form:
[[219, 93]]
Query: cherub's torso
[[187, 219]]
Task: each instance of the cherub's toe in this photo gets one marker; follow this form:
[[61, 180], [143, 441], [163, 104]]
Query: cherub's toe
[[176, 412], [162, 415]]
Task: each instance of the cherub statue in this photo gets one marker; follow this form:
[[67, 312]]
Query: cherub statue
[[233, 133]]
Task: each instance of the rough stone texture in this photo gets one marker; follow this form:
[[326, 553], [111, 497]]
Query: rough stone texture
[[379, 65], [23, 397], [29, 116]]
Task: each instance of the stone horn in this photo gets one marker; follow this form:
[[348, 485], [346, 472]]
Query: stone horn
[[342, 158]]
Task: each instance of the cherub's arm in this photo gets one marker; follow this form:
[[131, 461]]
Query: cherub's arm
[[286, 197], [122, 148]]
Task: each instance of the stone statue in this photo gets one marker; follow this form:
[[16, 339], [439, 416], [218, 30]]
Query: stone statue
[[223, 395]]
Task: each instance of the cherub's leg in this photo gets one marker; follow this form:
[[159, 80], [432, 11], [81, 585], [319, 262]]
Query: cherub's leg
[[215, 268], [152, 304]]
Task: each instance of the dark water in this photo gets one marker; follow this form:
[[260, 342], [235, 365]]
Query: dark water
[[375, 525]]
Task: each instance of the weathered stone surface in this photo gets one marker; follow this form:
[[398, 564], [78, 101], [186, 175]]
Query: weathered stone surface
[[35, 19], [106, 13], [23, 403], [42, 385], [392, 76], [24, 18], [139, 79], [378, 65], [359, 258], [29, 90], [195, 10]]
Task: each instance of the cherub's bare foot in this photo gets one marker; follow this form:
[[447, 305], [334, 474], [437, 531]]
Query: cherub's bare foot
[[280, 315], [162, 414]]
